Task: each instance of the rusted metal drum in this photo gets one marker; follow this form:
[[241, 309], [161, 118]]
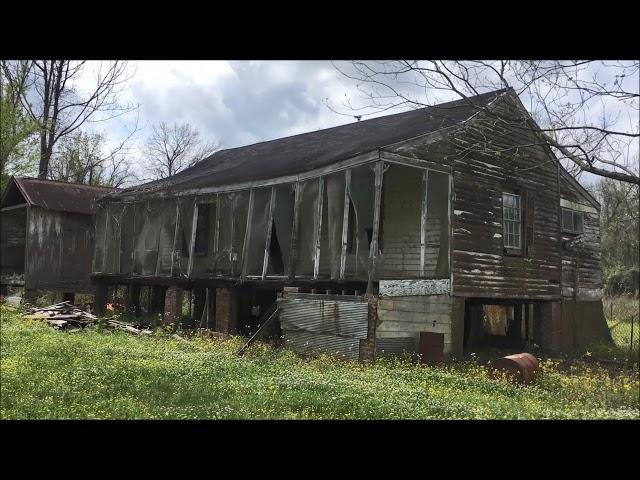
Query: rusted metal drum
[[521, 367]]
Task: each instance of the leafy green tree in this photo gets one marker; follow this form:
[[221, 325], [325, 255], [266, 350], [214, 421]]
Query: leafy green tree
[[18, 147], [620, 232]]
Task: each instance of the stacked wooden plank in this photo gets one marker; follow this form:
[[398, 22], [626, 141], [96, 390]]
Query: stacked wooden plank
[[65, 315]]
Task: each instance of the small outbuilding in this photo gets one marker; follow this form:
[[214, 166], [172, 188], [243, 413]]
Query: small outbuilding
[[47, 236]]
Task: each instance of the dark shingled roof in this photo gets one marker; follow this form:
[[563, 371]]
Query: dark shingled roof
[[307, 151], [60, 196]]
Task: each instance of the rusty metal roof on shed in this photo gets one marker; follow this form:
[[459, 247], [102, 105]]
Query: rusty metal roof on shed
[[59, 196], [299, 153]]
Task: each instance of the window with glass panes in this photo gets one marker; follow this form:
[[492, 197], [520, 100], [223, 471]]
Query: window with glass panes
[[511, 219], [571, 221]]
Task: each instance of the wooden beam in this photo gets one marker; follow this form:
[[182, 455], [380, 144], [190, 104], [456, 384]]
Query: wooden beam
[[247, 234], [14, 207], [293, 256], [175, 235], [414, 162], [194, 225], [423, 222], [133, 242], [124, 208], [157, 272], [318, 228], [216, 235], [232, 262], [373, 250], [345, 223], [265, 260], [104, 249], [450, 198]]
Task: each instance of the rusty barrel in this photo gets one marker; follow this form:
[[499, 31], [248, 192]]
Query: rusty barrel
[[521, 367]]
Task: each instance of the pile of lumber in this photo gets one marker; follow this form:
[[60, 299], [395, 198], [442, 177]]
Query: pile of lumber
[[65, 315]]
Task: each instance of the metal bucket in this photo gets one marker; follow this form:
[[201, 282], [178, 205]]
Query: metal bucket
[[520, 368]]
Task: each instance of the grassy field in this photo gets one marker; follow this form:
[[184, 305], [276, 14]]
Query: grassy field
[[91, 375]]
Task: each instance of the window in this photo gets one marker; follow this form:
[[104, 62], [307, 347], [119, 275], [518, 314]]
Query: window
[[571, 221], [511, 218]]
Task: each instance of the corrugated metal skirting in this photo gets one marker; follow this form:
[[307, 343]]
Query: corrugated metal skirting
[[324, 326]]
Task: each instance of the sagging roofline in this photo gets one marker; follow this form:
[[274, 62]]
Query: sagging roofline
[[379, 154]]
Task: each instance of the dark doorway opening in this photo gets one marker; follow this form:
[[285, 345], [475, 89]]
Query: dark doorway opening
[[496, 325], [255, 303]]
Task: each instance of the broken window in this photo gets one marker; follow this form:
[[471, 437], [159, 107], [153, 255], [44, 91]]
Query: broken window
[[511, 218]]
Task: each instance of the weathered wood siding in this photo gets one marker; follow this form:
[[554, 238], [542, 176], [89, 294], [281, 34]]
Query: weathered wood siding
[[581, 252], [401, 319], [13, 229], [59, 251], [480, 267]]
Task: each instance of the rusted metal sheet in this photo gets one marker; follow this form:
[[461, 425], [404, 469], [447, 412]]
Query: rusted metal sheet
[[520, 368], [61, 196], [346, 319], [315, 323], [313, 343], [431, 347]]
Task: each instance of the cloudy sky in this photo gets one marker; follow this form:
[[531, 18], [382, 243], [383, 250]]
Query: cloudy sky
[[233, 103]]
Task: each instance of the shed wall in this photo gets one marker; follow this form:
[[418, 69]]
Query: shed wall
[[59, 251]]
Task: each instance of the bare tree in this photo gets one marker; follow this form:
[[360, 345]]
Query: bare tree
[[172, 148], [81, 158], [586, 111], [54, 99]]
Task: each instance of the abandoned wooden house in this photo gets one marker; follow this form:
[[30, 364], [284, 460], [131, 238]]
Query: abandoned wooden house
[[436, 230], [47, 236]]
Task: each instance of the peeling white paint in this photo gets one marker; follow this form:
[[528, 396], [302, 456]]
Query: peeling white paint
[[460, 212], [462, 230], [479, 254], [497, 235], [401, 288]]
